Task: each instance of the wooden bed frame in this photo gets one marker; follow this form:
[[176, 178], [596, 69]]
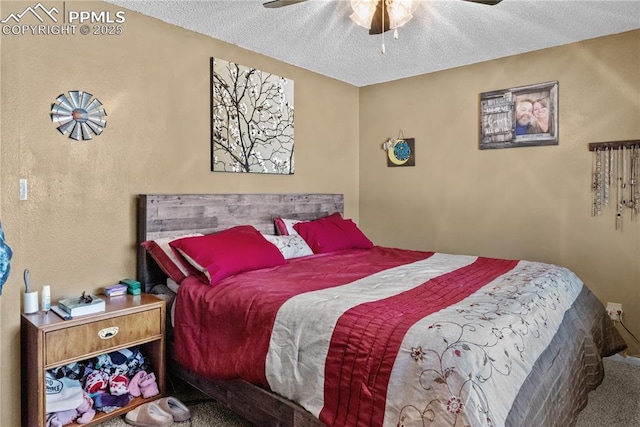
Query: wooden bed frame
[[163, 215]]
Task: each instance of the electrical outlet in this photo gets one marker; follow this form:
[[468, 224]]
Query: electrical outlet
[[614, 310]]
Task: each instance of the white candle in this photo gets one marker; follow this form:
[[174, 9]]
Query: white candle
[[46, 298]]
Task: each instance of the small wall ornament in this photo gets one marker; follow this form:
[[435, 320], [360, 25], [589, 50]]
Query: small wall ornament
[[78, 115], [400, 151]]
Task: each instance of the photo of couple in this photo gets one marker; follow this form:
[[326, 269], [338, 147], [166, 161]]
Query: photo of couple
[[533, 115], [523, 116]]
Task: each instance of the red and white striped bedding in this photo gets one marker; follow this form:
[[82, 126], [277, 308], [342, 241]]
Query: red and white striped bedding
[[390, 337]]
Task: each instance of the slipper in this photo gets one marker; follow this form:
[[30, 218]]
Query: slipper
[[177, 409], [134, 384], [148, 385], [149, 415]]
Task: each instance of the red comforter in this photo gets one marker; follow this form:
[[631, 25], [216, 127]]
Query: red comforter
[[223, 331], [388, 336]]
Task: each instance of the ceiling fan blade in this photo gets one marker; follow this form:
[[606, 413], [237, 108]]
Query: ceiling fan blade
[[376, 20], [280, 3], [487, 2]]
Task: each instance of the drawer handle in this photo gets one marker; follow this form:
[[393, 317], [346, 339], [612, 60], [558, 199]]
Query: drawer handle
[[107, 333]]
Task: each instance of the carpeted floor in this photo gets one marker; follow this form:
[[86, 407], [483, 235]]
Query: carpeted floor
[[616, 403], [205, 412]]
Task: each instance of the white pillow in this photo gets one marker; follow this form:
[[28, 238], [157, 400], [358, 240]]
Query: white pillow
[[292, 246]]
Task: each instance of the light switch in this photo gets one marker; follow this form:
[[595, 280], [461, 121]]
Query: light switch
[[23, 189]]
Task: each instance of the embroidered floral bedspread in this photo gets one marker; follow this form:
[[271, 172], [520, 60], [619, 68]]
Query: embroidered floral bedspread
[[388, 337]]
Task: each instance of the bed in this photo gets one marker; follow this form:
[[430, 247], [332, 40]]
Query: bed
[[367, 335]]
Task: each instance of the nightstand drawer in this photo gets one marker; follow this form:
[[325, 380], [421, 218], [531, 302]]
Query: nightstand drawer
[[100, 336]]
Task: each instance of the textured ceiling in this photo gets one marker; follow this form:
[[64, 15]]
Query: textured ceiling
[[319, 36]]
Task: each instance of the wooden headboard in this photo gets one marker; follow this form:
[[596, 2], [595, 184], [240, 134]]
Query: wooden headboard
[[165, 215]]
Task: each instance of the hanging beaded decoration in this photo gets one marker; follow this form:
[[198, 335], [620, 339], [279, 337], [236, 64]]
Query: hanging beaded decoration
[[620, 189], [607, 175], [616, 163], [597, 183], [634, 190]]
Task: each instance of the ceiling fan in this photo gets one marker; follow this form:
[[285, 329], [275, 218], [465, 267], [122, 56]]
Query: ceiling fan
[[380, 20]]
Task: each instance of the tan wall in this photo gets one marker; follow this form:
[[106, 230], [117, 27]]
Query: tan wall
[[77, 230], [531, 203]]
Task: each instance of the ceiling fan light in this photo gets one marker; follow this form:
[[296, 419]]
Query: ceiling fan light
[[363, 11], [398, 21], [401, 12]]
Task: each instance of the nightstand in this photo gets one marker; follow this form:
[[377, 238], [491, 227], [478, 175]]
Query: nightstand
[[48, 341]]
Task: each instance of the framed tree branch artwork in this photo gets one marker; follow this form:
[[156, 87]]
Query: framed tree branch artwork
[[519, 117], [251, 120]]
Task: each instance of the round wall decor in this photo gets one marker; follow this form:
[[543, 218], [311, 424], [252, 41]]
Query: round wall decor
[[400, 152], [78, 115]]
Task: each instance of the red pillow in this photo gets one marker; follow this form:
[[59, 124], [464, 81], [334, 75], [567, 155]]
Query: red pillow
[[229, 252], [284, 226], [167, 259], [332, 233]]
